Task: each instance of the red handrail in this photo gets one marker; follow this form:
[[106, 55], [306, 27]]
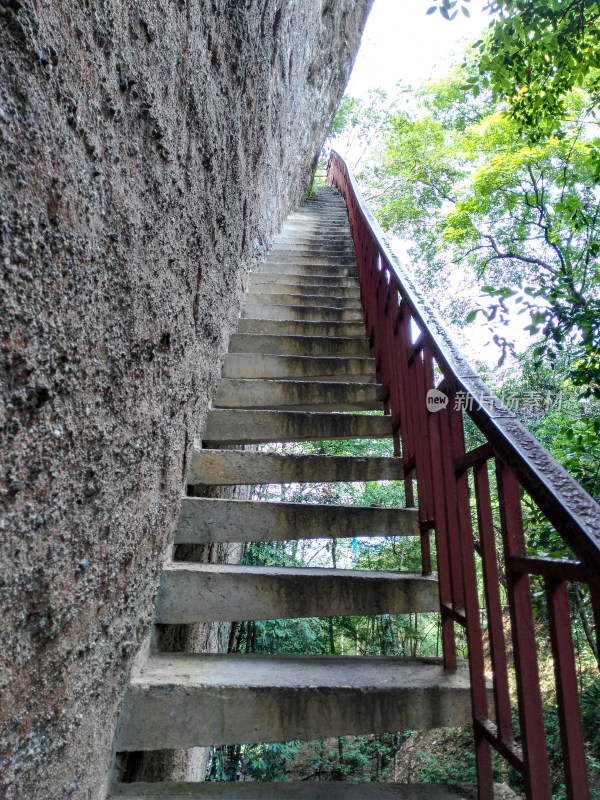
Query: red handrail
[[433, 452]]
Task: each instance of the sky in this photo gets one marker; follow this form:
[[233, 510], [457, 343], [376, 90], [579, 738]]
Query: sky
[[401, 42]]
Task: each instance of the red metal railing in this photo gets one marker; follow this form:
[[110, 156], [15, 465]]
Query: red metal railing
[[434, 457]]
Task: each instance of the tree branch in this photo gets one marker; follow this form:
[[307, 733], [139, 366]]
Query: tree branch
[[518, 257]]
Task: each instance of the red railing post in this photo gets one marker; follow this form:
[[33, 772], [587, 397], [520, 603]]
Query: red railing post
[[479, 704], [569, 717], [446, 570], [491, 584], [531, 719]]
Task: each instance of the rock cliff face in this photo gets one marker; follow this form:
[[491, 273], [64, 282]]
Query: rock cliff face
[[149, 150]]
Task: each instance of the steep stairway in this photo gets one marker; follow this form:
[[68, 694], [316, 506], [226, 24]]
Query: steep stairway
[[298, 369]]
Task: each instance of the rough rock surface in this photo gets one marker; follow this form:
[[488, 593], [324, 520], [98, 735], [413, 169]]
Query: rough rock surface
[[149, 150]]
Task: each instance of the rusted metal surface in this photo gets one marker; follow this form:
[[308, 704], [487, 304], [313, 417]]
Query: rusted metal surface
[[433, 452], [536, 771], [491, 583], [479, 703]]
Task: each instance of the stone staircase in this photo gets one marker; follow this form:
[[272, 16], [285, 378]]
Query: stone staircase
[[297, 370]]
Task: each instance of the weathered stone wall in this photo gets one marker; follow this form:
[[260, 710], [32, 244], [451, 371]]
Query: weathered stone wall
[[148, 150]]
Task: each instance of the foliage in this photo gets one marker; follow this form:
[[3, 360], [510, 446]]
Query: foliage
[[262, 762], [449, 8], [566, 424], [270, 761], [358, 124], [535, 54], [356, 758], [444, 767], [469, 192]]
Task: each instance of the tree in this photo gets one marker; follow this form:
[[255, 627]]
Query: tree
[[468, 189], [358, 124], [535, 54]]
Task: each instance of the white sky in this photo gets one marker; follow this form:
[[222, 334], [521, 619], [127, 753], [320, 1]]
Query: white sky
[[401, 42]]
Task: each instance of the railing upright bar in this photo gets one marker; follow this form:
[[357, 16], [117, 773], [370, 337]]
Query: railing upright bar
[[569, 716], [536, 772], [374, 327], [409, 432], [369, 272], [428, 521], [595, 598], [427, 464], [491, 584], [366, 263], [395, 386], [479, 703], [417, 376], [442, 549], [408, 423], [396, 389], [360, 268], [386, 344], [447, 476]]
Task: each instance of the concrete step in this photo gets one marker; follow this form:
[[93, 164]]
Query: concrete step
[[311, 255], [321, 313], [311, 251], [233, 426], [299, 238], [302, 298], [319, 214], [299, 260], [191, 593], [298, 395], [205, 520], [331, 230], [320, 208], [299, 221], [303, 790], [321, 217], [298, 346], [280, 268], [325, 245], [336, 235], [305, 290], [177, 701], [298, 327], [251, 365], [233, 467], [304, 280]]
